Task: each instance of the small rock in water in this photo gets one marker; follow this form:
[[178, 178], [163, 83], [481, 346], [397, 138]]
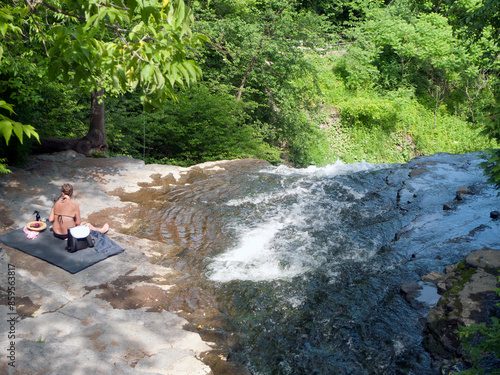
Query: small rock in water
[[461, 191], [410, 290], [495, 214], [447, 207], [434, 277]]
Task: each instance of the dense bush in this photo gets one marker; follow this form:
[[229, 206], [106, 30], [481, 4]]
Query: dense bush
[[200, 126]]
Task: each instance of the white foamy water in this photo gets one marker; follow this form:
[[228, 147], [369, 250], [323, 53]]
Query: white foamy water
[[336, 169], [334, 215], [269, 251], [281, 246]]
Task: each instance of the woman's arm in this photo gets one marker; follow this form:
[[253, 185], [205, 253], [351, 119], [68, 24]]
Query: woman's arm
[[52, 217]]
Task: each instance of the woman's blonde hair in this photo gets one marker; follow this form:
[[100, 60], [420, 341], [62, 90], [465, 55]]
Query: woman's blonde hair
[[67, 189]]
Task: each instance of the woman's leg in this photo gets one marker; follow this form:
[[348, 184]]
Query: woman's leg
[[102, 230]]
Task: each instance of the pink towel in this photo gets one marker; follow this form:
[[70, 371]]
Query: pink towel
[[31, 234]]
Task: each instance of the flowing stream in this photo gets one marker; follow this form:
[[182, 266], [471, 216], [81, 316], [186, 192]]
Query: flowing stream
[[304, 266]]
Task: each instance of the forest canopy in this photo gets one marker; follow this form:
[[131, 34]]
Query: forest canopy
[[297, 82]]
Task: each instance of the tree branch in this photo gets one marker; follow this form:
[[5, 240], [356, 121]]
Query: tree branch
[[250, 66], [37, 26], [57, 10]]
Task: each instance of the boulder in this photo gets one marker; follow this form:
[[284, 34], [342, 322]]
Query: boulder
[[469, 296], [484, 258]]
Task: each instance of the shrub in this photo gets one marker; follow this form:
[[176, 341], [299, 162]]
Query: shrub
[[200, 126]]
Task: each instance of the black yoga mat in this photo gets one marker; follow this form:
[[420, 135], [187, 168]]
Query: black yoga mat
[[53, 250]]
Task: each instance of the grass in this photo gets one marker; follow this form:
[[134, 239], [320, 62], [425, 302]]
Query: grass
[[388, 127]]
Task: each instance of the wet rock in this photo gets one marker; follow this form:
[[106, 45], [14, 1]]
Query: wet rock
[[433, 277], [461, 191], [417, 172], [450, 268], [418, 293], [495, 214], [411, 290], [469, 296]]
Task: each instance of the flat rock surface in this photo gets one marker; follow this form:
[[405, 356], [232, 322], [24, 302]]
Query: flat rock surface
[[104, 319], [485, 258]]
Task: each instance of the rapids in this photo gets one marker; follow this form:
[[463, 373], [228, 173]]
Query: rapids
[[304, 266]]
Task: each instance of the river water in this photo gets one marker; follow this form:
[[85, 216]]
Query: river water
[[304, 266]]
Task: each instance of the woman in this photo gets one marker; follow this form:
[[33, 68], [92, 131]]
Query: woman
[[65, 214]]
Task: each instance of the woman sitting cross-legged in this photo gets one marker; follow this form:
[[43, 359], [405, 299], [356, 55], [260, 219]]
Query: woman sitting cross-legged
[[65, 214]]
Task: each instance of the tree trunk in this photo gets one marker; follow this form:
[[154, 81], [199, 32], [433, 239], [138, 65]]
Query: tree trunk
[[94, 141]]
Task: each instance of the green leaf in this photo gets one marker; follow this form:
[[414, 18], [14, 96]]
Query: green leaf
[[18, 131], [146, 72], [31, 132], [92, 22], [6, 130], [182, 71], [159, 78], [3, 28], [7, 106]]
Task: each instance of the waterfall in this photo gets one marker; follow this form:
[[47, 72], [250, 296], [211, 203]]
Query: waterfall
[[307, 263]]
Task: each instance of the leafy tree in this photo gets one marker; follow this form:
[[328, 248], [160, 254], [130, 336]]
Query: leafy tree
[[401, 47], [256, 52], [109, 47], [478, 24], [342, 12], [8, 126], [406, 45]]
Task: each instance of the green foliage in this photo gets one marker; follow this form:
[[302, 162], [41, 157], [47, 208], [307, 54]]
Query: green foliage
[[3, 166], [298, 82], [8, 126], [388, 126], [405, 48], [492, 168], [369, 111], [472, 16], [343, 12], [478, 24], [301, 139], [480, 341], [356, 67], [140, 44], [200, 126], [257, 53], [96, 45]]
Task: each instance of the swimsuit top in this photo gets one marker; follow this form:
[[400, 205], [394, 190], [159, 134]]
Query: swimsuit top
[[60, 216], [60, 219]]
